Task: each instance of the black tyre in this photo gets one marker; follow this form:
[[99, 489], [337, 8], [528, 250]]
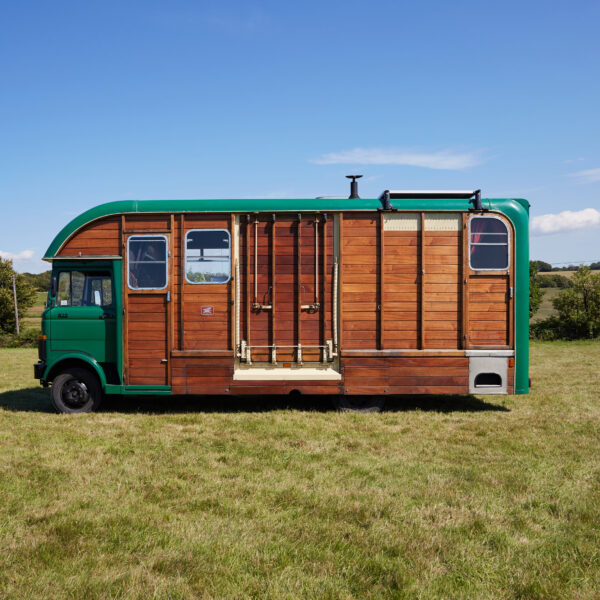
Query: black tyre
[[360, 404], [76, 391]]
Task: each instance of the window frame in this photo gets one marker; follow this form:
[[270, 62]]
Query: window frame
[[508, 244], [146, 235], [185, 258]]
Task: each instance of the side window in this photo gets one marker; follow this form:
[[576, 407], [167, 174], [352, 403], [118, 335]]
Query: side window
[[76, 288], [147, 262], [488, 244], [207, 256]]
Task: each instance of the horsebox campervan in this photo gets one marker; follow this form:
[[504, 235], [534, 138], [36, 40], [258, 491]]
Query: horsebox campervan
[[410, 293]]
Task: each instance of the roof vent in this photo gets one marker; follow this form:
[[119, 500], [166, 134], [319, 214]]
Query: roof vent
[[353, 186]]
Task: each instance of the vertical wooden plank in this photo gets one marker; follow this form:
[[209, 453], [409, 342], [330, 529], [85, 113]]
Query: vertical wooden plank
[[341, 283], [422, 283], [232, 281], [248, 288], [299, 280], [181, 278], [125, 293], [323, 307], [465, 281], [273, 244], [381, 307], [182, 283], [169, 316]]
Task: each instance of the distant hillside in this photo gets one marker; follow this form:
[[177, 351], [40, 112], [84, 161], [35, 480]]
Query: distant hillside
[[40, 281]]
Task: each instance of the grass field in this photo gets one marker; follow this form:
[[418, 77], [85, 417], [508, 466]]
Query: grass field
[[32, 318], [483, 498]]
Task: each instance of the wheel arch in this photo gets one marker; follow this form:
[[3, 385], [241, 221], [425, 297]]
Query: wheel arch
[[78, 361]]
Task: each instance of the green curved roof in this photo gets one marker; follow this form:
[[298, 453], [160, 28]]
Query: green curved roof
[[257, 205]]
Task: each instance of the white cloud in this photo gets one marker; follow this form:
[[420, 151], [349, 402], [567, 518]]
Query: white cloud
[[443, 159], [566, 221], [23, 255], [587, 176]]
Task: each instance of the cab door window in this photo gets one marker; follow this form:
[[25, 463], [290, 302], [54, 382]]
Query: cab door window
[[79, 288]]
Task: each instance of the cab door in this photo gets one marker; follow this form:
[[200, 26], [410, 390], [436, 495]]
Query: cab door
[[83, 316], [146, 315]]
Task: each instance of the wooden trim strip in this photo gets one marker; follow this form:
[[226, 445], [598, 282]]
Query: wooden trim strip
[[465, 282], [125, 293], [248, 288], [422, 283], [299, 281], [201, 353], [169, 308], [341, 281], [181, 278], [381, 307], [323, 307], [402, 352], [233, 282], [273, 242]]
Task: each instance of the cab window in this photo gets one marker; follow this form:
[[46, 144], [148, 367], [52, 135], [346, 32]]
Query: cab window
[[80, 288]]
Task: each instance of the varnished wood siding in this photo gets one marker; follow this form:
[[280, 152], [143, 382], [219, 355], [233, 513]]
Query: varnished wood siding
[[293, 286], [204, 332], [398, 375], [431, 310], [442, 288], [488, 310], [147, 339], [359, 290], [401, 289], [100, 238]]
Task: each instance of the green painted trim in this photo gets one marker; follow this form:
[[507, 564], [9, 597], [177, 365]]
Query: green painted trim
[[257, 205], [142, 390], [90, 360], [118, 299]]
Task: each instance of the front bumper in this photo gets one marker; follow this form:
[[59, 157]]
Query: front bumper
[[38, 370]]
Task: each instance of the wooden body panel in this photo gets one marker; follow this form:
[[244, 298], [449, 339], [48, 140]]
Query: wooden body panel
[[402, 287]]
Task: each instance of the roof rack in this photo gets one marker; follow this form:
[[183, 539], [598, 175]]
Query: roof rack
[[474, 196], [399, 194]]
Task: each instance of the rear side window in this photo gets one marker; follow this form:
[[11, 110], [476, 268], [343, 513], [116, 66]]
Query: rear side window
[[488, 244], [147, 262], [78, 288], [207, 256]]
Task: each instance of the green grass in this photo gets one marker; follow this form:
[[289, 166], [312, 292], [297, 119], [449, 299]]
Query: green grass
[[31, 320], [546, 309], [490, 497]]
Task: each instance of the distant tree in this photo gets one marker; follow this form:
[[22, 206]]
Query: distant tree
[[40, 281], [535, 290], [542, 267], [554, 280], [25, 296], [579, 306]]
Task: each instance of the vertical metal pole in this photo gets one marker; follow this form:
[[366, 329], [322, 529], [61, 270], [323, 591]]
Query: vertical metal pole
[[16, 306]]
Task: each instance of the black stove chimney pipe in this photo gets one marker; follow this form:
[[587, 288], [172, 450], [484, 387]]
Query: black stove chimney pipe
[[353, 186]]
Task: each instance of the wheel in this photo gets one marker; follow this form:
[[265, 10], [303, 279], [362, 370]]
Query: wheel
[[360, 404], [76, 391]]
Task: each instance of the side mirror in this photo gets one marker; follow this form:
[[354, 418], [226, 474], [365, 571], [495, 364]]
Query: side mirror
[[53, 288]]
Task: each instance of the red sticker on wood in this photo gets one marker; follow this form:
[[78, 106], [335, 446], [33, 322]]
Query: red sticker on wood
[[207, 311]]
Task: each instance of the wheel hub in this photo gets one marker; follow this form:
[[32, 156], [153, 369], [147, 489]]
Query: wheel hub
[[75, 393]]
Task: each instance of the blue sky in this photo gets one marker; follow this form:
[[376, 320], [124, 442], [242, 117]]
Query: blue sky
[[146, 99]]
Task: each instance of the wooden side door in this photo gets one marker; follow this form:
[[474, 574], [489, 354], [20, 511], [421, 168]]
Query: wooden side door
[[488, 267], [286, 288], [147, 296]]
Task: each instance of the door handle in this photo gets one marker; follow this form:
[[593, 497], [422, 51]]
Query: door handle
[[62, 315], [105, 316]]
